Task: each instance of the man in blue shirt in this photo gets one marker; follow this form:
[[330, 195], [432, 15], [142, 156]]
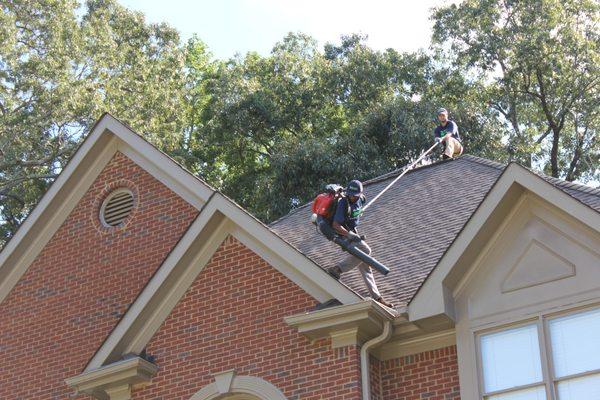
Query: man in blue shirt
[[345, 221], [447, 133]]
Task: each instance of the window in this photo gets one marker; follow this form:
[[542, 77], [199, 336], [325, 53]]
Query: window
[[575, 346], [511, 364], [553, 355]]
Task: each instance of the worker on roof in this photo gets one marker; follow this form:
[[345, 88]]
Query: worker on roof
[[447, 133], [345, 222]]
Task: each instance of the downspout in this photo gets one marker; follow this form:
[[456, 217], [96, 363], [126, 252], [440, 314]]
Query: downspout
[[364, 358]]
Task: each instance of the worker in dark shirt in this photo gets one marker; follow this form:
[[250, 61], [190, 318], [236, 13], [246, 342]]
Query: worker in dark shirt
[[447, 134], [345, 221]]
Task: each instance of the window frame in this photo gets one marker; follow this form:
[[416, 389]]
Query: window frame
[[554, 381], [527, 322], [549, 380]]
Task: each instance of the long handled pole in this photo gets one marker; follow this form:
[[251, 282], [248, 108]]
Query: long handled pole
[[364, 257], [408, 168]]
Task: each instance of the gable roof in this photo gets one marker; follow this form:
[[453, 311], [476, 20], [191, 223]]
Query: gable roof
[[219, 218], [106, 137], [434, 297], [410, 227]]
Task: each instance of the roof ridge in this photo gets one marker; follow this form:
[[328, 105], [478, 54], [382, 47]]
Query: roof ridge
[[580, 187], [484, 161], [467, 157], [556, 181]]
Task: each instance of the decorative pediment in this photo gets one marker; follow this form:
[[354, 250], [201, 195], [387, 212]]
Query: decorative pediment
[[539, 257], [537, 265], [544, 262]]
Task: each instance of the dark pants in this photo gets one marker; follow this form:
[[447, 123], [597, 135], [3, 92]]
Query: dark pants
[[350, 261], [325, 228]]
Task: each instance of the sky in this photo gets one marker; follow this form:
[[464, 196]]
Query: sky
[[239, 26]]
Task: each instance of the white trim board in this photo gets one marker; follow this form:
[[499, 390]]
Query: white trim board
[[228, 382], [219, 218], [106, 137], [415, 345], [434, 298]]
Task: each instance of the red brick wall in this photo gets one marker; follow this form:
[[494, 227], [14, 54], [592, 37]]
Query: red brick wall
[[232, 318], [432, 375], [82, 282], [375, 378]]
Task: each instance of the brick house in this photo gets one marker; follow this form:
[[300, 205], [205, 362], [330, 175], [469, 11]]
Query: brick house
[[134, 279]]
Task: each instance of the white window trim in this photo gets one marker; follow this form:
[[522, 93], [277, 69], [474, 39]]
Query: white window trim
[[242, 387], [541, 320], [553, 380]]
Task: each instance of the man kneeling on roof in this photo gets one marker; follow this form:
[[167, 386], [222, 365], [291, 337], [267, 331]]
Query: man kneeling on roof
[[447, 133], [345, 220]]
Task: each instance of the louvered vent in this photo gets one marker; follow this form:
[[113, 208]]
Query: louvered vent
[[117, 207]]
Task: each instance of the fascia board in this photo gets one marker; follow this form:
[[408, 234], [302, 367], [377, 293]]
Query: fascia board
[[106, 137], [219, 218], [158, 164], [432, 298], [54, 206]]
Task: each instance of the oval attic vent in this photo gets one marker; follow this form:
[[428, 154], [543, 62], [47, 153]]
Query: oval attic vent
[[117, 207]]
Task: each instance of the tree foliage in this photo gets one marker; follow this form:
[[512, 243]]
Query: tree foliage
[[520, 78], [542, 58], [277, 128], [60, 72]]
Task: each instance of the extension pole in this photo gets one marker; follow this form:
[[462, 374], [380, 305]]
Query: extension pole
[[364, 257], [408, 168]]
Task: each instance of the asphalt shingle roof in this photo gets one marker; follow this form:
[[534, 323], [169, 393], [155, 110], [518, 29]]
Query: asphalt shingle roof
[[410, 227]]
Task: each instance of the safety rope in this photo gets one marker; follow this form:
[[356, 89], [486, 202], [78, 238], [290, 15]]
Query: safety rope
[[406, 169]]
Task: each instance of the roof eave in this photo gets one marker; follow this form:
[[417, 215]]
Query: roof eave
[[433, 300], [107, 137], [218, 219]]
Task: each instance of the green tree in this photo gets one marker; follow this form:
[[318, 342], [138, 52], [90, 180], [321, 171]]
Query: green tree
[[520, 78], [58, 73], [541, 59], [256, 105], [276, 128]]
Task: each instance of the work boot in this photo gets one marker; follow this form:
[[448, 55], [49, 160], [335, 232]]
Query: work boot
[[335, 271], [381, 300]]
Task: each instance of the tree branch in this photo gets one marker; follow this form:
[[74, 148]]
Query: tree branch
[[541, 138], [6, 187], [34, 163], [13, 196]]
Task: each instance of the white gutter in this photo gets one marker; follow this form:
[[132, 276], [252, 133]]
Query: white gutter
[[365, 317], [364, 358]]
